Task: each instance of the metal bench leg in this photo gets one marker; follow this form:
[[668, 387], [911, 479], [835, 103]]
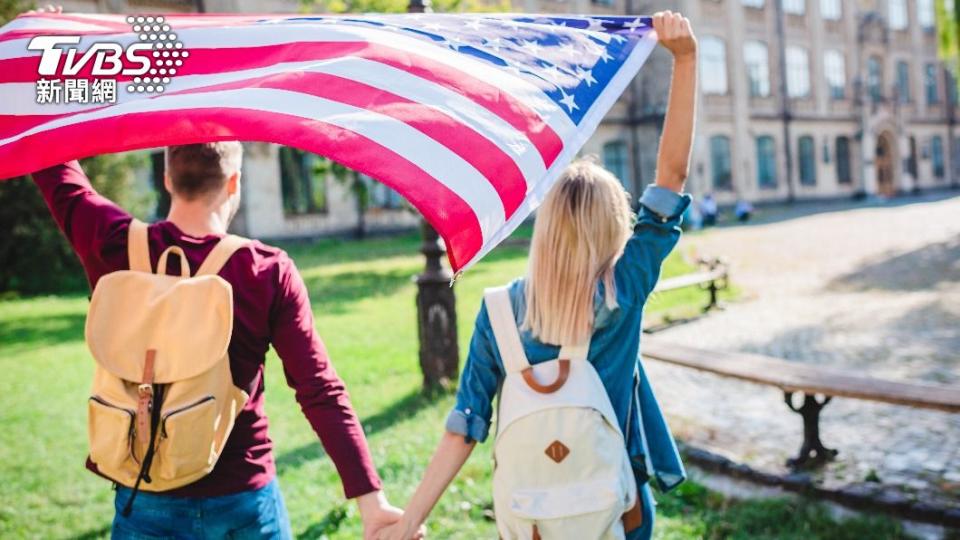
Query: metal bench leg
[[812, 453], [712, 288]]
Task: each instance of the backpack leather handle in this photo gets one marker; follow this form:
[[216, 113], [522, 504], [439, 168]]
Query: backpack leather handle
[[184, 265], [547, 388]]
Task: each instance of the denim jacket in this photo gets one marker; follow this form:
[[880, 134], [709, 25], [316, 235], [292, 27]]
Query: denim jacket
[[614, 348]]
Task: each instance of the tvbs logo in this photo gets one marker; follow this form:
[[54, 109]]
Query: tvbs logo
[[105, 59], [71, 75]]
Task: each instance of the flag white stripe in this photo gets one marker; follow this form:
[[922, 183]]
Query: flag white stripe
[[40, 24], [259, 35], [428, 154]]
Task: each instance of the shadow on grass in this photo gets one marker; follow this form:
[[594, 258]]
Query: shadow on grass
[[335, 293], [102, 532], [405, 408], [326, 526], [42, 330]]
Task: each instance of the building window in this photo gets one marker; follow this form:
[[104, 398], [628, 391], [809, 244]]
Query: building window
[[903, 81], [752, 3], [615, 161], [720, 162], [766, 162], [897, 16], [936, 155], [304, 189], [835, 70], [843, 160], [798, 72], [875, 79], [831, 10], [926, 16], [795, 7], [756, 58], [713, 65], [930, 81], [808, 161]]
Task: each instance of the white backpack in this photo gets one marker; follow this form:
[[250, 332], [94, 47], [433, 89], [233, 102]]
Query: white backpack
[[561, 464]]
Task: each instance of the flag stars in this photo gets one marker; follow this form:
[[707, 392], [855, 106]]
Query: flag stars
[[585, 75], [568, 101], [495, 44], [531, 47], [595, 25]]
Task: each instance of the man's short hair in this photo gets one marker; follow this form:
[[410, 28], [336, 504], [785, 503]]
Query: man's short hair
[[196, 170]]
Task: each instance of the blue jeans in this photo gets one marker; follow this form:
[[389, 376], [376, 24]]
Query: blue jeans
[[257, 514]]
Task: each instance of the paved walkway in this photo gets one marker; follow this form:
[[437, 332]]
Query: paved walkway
[[873, 289]]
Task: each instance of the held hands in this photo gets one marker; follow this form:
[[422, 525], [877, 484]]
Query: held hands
[[402, 530], [378, 515], [675, 34]]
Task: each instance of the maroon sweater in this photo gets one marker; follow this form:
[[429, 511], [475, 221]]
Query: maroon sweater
[[271, 306]]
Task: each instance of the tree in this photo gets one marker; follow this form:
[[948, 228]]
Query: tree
[[948, 33]]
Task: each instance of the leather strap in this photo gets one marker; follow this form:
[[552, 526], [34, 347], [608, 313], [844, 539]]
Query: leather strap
[[575, 352], [552, 387], [633, 518], [138, 247], [184, 263], [222, 252], [145, 396], [504, 324]]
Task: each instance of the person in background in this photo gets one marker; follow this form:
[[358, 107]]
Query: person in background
[[743, 210], [599, 290], [708, 210]]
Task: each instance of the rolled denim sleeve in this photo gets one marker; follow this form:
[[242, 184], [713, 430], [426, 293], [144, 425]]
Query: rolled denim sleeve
[[479, 381], [654, 237]]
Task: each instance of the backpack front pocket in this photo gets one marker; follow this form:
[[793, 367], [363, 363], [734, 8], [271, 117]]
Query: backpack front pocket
[[187, 437], [110, 430]]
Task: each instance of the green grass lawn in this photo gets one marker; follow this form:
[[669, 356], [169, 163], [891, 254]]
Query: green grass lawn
[[363, 298]]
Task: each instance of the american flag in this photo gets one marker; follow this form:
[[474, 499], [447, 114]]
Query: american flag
[[470, 117]]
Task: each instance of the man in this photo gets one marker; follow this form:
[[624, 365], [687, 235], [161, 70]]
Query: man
[[239, 498]]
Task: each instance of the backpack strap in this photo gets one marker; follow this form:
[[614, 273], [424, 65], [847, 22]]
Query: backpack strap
[[138, 247], [227, 246], [504, 324], [575, 352]]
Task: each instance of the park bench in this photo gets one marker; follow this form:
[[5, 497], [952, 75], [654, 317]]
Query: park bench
[[810, 382], [713, 277]]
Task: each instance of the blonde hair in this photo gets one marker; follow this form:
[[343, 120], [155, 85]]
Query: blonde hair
[[580, 232]]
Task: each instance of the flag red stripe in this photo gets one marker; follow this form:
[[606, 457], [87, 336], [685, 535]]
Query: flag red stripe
[[456, 222], [211, 61], [485, 156]]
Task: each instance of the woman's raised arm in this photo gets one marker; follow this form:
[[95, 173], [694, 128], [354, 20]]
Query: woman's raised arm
[[673, 159]]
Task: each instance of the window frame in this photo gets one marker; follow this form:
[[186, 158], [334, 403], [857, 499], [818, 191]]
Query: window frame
[[842, 162], [711, 66], [766, 155], [721, 182], [798, 74], [761, 67]]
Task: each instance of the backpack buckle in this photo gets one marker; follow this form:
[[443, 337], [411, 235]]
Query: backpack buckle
[[145, 390]]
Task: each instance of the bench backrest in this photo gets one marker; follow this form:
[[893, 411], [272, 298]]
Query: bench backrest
[[807, 378]]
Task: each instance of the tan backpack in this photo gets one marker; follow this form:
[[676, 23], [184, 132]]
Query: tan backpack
[[163, 401]]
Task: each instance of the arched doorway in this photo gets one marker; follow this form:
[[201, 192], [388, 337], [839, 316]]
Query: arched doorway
[[884, 162]]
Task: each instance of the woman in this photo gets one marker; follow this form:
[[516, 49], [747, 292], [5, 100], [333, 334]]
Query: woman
[[588, 277]]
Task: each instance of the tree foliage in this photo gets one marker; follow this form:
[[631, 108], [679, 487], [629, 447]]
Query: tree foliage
[[36, 257]]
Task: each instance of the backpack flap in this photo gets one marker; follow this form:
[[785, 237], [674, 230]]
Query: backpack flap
[[187, 322]]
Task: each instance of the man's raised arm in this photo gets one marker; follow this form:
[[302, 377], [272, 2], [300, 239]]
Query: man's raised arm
[[85, 217]]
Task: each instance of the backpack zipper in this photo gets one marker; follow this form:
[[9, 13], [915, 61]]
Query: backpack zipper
[[178, 410]]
